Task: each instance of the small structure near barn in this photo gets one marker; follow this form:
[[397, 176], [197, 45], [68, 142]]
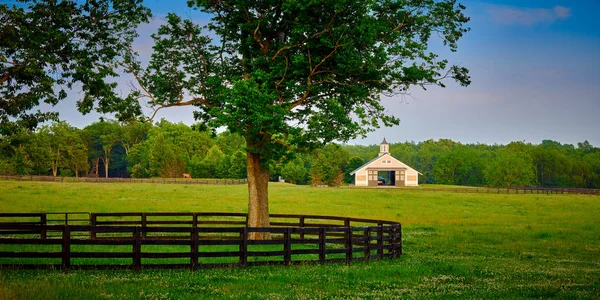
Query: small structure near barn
[[385, 170]]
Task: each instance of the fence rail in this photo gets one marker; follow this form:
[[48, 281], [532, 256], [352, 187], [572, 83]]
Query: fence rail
[[520, 190], [151, 240], [132, 180]]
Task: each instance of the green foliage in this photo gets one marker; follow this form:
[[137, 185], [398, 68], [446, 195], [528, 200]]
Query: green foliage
[[51, 46], [460, 166], [296, 170], [354, 163], [510, 169], [328, 165]]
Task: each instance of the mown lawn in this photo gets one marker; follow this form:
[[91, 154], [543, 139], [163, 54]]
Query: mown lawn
[[456, 245]]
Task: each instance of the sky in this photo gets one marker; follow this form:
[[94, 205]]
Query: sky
[[534, 66]]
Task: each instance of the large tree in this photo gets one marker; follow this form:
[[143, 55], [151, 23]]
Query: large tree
[[295, 75], [46, 47]]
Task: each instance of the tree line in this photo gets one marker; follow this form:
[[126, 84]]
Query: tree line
[[109, 148], [517, 164]]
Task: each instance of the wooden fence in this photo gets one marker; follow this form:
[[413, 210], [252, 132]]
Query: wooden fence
[[208, 240], [132, 180], [519, 190]]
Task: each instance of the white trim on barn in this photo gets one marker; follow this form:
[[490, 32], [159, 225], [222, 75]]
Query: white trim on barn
[[399, 173]]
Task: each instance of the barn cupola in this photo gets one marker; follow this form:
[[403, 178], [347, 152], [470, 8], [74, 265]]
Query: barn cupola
[[384, 148]]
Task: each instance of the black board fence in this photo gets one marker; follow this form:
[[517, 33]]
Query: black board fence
[[195, 240], [131, 180], [517, 190]]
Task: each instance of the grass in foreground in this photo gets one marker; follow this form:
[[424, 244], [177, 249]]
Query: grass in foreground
[[456, 245]]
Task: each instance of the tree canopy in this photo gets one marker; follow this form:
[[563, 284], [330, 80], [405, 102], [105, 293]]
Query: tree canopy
[[48, 47]]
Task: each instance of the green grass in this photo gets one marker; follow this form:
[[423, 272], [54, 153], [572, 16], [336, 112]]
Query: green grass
[[456, 245]]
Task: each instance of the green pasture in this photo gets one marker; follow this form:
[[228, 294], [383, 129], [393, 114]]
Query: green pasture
[[456, 245]]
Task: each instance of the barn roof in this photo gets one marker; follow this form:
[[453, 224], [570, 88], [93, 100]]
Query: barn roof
[[383, 168]]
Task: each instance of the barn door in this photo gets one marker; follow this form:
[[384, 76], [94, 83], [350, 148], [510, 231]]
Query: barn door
[[372, 177], [400, 178]]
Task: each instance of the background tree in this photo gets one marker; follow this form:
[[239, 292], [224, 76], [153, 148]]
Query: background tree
[[48, 46], [296, 170], [354, 163], [458, 166], [133, 133], [328, 165], [57, 138], [510, 169], [291, 76], [110, 136]]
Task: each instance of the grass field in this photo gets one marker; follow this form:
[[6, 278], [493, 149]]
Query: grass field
[[455, 245]]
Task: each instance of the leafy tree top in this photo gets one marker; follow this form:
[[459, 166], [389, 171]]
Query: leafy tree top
[[291, 75], [49, 46]]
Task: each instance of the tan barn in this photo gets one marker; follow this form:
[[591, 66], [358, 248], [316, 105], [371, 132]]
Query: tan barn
[[385, 170]]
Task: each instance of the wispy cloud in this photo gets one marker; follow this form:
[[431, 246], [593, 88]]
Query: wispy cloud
[[511, 15]]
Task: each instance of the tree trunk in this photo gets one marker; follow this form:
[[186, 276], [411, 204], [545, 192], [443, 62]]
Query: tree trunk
[[55, 163], [106, 161], [258, 196]]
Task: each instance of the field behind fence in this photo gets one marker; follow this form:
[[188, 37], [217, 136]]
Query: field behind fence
[[438, 188]]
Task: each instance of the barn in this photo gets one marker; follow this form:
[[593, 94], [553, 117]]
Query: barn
[[385, 170]]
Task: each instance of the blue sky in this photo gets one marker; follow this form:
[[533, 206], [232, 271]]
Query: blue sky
[[535, 68]]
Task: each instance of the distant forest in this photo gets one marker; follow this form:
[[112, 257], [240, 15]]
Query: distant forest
[[164, 149]]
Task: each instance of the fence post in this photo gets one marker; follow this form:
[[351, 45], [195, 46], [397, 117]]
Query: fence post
[[144, 222], [244, 246], [367, 236], [287, 247], [66, 248], [194, 258], [322, 246], [302, 226], [137, 249], [44, 222], [380, 240], [349, 235], [399, 240], [93, 224]]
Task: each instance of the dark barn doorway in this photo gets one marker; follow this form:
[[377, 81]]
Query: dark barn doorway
[[386, 178]]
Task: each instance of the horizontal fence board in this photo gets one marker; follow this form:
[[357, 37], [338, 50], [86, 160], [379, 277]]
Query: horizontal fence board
[[30, 254], [266, 253], [170, 222], [305, 251], [30, 241], [221, 222]]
